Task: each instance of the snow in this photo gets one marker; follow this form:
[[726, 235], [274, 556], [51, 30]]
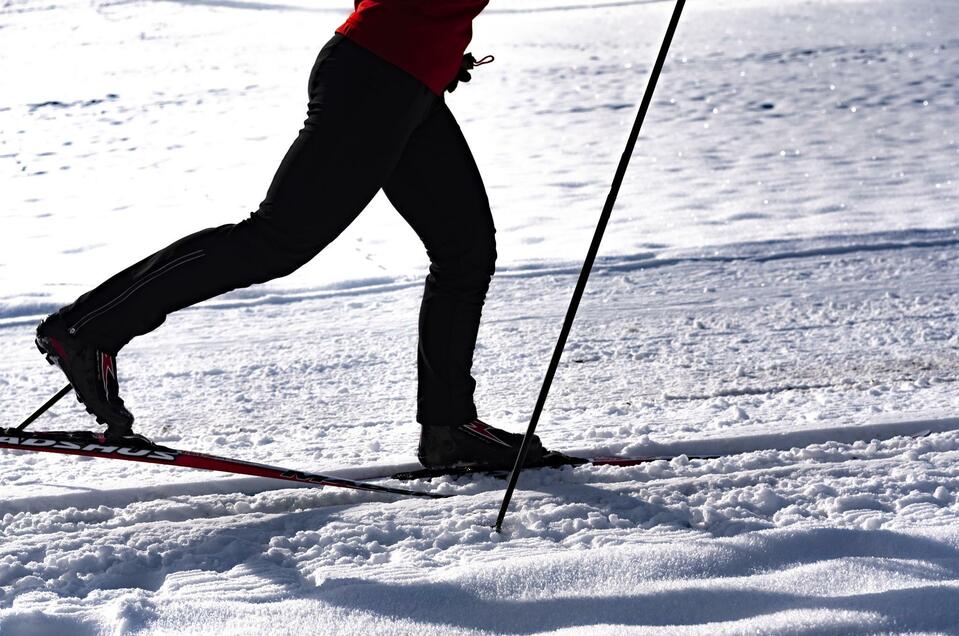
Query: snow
[[779, 285]]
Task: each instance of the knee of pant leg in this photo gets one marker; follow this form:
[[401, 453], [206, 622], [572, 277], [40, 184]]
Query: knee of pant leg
[[481, 258], [466, 272], [491, 252], [265, 247]]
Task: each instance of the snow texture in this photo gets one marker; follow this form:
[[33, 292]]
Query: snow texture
[[779, 285]]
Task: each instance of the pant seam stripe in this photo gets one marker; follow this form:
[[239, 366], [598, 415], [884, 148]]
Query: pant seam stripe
[[126, 294]]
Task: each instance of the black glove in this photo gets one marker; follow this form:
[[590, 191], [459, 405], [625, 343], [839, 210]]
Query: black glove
[[468, 64]]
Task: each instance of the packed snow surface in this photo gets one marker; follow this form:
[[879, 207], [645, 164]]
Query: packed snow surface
[[779, 286]]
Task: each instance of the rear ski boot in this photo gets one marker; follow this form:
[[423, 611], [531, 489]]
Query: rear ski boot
[[92, 373]]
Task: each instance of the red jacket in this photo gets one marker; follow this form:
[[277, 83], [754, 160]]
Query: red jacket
[[425, 38]]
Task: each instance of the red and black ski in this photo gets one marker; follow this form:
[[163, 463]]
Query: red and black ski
[[94, 445]]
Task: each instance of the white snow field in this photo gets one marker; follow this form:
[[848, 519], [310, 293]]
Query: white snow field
[[779, 285]]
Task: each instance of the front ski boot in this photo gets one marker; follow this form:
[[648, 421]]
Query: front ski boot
[[478, 445], [91, 372]]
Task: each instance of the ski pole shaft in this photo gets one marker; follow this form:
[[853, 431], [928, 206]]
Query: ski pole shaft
[[46, 407], [590, 259]]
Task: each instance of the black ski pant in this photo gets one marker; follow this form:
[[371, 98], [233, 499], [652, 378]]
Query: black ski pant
[[369, 126]]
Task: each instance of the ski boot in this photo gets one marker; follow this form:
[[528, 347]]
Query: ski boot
[[92, 373], [478, 445]]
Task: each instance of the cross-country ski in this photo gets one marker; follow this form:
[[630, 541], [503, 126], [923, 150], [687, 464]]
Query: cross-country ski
[[287, 288], [90, 445]]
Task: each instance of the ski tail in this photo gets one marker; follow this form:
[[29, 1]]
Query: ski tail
[[93, 445]]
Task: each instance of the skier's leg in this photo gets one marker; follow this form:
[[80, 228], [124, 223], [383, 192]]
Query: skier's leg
[[361, 112], [437, 188]]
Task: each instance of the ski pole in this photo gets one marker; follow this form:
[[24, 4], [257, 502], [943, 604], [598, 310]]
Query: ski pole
[[590, 258], [43, 409]]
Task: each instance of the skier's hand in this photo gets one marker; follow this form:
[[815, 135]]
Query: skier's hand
[[468, 64]]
